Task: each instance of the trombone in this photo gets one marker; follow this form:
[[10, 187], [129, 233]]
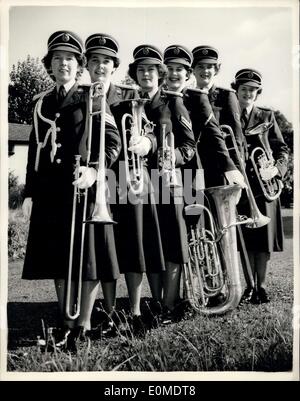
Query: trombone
[[100, 213], [257, 219]]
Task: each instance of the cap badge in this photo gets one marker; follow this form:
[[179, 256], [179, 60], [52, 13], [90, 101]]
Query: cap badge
[[204, 51], [65, 37], [146, 50], [250, 75], [102, 40], [176, 51]]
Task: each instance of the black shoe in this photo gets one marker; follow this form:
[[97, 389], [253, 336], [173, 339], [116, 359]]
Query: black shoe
[[137, 326], [168, 316], [263, 296], [152, 314], [65, 340], [110, 326], [80, 333], [255, 298], [247, 296]]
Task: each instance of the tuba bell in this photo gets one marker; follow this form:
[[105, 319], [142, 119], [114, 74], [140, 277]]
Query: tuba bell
[[134, 163], [213, 266], [262, 159]]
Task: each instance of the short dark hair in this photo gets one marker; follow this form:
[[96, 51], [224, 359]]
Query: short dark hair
[[48, 58], [161, 68], [116, 60]]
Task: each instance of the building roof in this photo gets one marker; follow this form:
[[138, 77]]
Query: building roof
[[19, 132]]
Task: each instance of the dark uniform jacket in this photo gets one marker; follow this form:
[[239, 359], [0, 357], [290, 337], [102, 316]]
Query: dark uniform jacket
[[211, 146], [268, 238], [49, 180], [138, 236], [171, 111], [226, 110]]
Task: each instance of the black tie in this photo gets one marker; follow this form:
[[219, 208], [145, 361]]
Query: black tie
[[145, 95], [244, 118], [61, 94]]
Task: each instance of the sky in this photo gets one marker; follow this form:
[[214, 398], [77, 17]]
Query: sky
[[248, 35]]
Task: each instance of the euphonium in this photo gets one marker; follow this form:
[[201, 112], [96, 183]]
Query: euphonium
[[134, 163], [213, 264], [262, 159], [100, 213], [256, 219]]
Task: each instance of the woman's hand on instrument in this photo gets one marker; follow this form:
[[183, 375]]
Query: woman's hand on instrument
[[268, 173], [27, 207], [235, 177], [141, 147], [87, 177]]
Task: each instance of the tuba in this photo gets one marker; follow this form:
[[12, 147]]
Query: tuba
[[262, 159], [134, 163], [100, 213], [213, 266]]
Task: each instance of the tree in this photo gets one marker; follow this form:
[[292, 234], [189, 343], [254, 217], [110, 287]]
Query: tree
[[286, 129], [27, 79]]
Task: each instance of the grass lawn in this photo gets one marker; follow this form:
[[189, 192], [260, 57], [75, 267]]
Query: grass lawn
[[250, 338]]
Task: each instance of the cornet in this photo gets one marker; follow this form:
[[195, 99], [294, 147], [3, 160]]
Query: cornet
[[262, 159], [100, 213], [166, 158], [134, 163]]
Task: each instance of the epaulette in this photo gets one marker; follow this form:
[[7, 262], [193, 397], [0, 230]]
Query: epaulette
[[264, 108], [42, 94], [194, 91], [120, 88], [222, 88]]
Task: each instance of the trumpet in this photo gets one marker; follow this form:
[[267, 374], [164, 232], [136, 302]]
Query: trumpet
[[167, 158], [134, 163], [262, 159], [100, 213], [256, 219]]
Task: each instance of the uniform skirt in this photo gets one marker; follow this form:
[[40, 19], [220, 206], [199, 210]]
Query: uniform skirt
[[173, 225], [269, 238], [48, 245], [137, 233]]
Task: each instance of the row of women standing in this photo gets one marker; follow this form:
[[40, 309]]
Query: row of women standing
[[150, 236]]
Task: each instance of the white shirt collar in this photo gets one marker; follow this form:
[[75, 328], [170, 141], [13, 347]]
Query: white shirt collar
[[67, 86], [249, 109]]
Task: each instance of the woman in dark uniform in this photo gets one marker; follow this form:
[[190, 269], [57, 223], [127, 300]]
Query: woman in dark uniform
[[167, 114], [260, 242], [225, 107], [57, 136], [137, 234], [209, 138], [211, 146]]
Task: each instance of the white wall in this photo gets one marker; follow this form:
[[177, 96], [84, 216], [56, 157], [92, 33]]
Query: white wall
[[18, 162]]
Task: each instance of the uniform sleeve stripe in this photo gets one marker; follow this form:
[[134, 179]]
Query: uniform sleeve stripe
[[186, 123]]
